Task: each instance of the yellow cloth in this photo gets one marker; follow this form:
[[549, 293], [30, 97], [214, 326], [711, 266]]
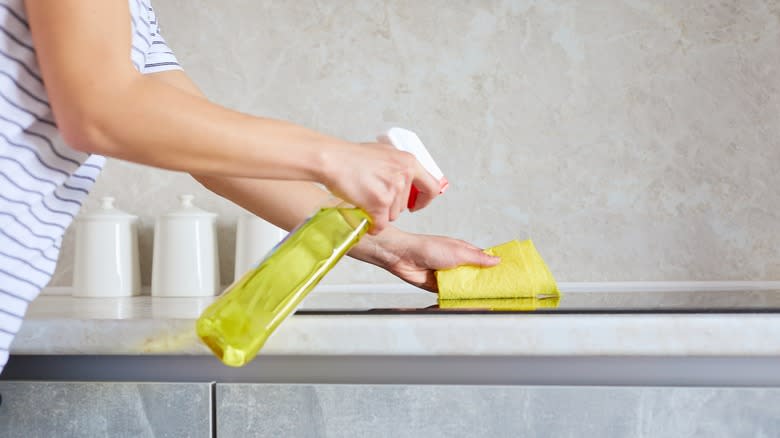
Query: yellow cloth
[[521, 273], [516, 304]]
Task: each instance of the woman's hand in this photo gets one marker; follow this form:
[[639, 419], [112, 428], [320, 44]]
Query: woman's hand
[[377, 178], [415, 258]]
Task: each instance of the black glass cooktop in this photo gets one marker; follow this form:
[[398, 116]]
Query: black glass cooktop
[[592, 302]]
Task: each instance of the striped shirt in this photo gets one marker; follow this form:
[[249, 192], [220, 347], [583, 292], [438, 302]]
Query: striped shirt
[[43, 182]]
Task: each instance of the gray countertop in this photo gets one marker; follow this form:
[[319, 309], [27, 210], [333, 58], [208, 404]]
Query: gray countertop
[[706, 334], [593, 319]]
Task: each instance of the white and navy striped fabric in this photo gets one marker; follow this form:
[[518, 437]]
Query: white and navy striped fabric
[[43, 181]]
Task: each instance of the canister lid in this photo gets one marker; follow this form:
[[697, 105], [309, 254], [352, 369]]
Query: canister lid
[[107, 212], [187, 208]]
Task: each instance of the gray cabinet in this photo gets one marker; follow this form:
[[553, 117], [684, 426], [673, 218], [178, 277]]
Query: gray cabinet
[[259, 410], [49, 409], [43, 409]]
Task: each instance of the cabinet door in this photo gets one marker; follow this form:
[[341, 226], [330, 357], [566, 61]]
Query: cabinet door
[[76, 409], [428, 411]]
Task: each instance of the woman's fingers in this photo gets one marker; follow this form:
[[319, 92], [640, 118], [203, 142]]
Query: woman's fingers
[[399, 204], [379, 180], [379, 218], [476, 257], [429, 188]]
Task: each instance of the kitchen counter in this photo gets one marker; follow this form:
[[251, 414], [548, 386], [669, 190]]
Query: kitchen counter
[[630, 321]]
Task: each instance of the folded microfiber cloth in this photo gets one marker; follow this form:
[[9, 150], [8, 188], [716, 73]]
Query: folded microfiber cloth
[[514, 304], [521, 273]]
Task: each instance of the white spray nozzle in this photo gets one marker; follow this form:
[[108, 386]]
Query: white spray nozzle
[[408, 141]]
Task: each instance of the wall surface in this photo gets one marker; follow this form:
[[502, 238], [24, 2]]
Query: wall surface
[[631, 139]]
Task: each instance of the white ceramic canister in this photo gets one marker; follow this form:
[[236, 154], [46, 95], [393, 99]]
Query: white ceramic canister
[[255, 237], [106, 253], [185, 262]]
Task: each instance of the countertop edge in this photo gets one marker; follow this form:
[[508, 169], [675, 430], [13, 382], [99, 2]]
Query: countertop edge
[[428, 335]]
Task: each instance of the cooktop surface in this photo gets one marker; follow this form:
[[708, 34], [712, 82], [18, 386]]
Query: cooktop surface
[[579, 302]]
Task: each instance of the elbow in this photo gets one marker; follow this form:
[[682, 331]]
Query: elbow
[[83, 135], [85, 132], [94, 119]]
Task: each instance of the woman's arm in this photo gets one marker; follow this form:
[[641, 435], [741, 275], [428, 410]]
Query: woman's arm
[[103, 105], [411, 257]]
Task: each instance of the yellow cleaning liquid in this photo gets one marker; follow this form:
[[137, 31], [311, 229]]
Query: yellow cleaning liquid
[[239, 322]]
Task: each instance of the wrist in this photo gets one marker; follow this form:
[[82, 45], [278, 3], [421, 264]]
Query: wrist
[[327, 162], [380, 250]]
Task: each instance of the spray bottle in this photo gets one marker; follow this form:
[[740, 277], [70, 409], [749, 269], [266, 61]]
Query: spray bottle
[[239, 322]]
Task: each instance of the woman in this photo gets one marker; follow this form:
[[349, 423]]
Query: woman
[[98, 75]]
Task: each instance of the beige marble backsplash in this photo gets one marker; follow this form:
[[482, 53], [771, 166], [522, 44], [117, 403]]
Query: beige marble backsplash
[[632, 140]]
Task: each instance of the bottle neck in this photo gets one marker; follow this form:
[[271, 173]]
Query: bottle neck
[[334, 201], [355, 217]]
